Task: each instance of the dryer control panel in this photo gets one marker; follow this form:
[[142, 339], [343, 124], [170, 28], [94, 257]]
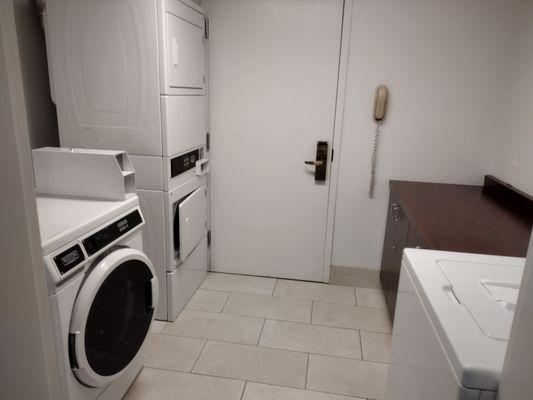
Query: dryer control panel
[[184, 162]]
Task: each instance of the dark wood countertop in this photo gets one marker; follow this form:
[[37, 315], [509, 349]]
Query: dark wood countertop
[[464, 218]]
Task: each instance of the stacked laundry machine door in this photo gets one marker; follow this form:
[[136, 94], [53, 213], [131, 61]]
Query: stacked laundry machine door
[[130, 75]]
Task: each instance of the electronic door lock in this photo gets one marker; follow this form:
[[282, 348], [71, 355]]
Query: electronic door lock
[[320, 163]]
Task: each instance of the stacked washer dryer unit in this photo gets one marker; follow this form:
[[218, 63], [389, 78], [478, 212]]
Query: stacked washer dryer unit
[[102, 291], [130, 75]]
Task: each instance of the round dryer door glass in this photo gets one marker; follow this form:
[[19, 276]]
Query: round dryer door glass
[[119, 318], [111, 316]]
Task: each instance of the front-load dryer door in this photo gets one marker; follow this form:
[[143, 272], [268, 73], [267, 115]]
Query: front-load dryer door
[[111, 316], [184, 49], [190, 222]]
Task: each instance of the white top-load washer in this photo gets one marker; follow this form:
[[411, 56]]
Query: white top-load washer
[[452, 324], [102, 289]]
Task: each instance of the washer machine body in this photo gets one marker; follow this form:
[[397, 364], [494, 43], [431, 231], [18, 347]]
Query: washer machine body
[[103, 292]]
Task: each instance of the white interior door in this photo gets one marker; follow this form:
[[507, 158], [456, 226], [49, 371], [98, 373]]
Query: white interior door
[[273, 81]]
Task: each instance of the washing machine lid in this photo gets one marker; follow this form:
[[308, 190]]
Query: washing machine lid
[[470, 299], [111, 316], [63, 220], [488, 291]]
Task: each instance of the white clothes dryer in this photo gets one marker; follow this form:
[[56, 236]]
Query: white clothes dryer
[[176, 240], [103, 291], [136, 74]]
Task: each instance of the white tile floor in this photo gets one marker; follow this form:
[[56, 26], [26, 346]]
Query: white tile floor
[[252, 338]]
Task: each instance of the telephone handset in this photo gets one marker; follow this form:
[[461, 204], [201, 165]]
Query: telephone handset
[[380, 109]]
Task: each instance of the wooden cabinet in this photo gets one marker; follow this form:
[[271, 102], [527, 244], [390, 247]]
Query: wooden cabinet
[[397, 235], [491, 219]]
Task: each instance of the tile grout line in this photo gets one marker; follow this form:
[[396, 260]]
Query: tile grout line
[[307, 370], [273, 348], [261, 333], [361, 345], [211, 340], [225, 303], [199, 355], [281, 320], [274, 287], [243, 389], [297, 298], [245, 380]]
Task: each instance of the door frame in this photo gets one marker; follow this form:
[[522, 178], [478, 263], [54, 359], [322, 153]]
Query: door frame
[[340, 101]]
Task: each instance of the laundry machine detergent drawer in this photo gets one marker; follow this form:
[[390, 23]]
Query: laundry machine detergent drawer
[[184, 123], [184, 48], [183, 282]]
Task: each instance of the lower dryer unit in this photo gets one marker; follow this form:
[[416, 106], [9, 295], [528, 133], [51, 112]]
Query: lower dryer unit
[[102, 290], [176, 241]]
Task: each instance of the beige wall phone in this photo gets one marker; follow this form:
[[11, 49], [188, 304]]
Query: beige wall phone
[[380, 108]]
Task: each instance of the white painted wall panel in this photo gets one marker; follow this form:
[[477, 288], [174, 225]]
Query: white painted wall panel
[[443, 62], [514, 150]]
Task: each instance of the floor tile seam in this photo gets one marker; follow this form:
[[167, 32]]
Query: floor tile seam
[[261, 333], [258, 317], [309, 353], [354, 329], [233, 291], [212, 312], [246, 380], [225, 303], [352, 305], [212, 340], [309, 390], [353, 359], [199, 355], [274, 287]]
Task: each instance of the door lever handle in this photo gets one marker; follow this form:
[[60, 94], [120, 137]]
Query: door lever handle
[[320, 161], [315, 163]]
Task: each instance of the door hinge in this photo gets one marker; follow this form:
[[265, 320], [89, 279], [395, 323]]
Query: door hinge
[[206, 28], [332, 153], [208, 238], [207, 140]]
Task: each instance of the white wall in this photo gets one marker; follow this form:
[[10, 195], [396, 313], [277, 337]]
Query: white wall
[[443, 62], [27, 356], [515, 144], [42, 119]]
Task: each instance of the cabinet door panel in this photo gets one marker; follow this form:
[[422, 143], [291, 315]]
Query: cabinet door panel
[[395, 241], [414, 240]]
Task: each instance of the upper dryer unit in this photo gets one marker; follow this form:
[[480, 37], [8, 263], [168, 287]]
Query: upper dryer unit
[[128, 74]]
